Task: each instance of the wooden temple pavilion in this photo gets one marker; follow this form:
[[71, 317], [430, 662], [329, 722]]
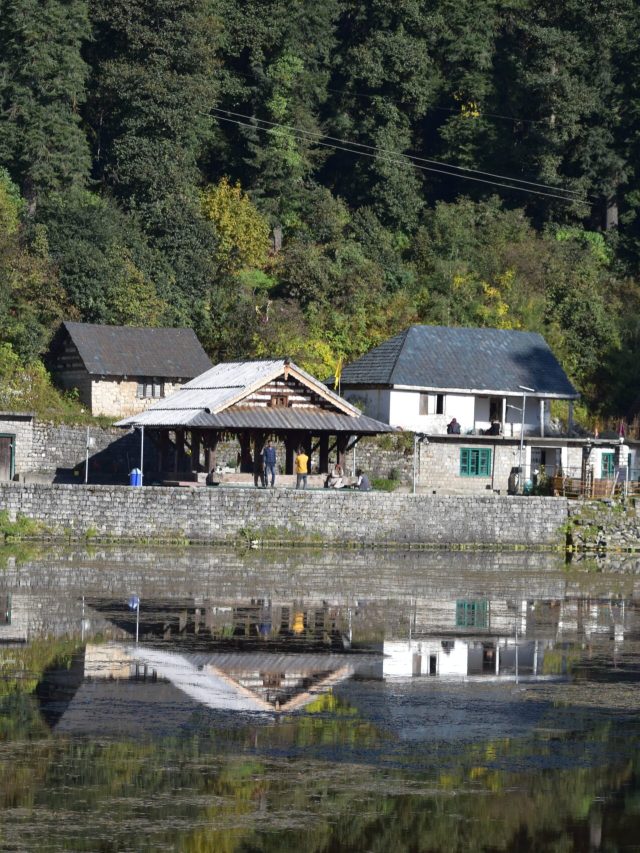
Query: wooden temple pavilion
[[253, 401]]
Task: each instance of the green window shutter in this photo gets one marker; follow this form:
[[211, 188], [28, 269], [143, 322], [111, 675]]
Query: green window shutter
[[608, 465], [475, 462], [472, 614]]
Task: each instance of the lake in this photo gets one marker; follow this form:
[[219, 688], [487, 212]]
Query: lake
[[205, 700]]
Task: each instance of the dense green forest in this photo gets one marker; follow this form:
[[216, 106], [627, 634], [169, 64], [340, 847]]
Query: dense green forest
[[307, 178]]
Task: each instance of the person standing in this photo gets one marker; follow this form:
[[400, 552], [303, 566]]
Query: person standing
[[269, 457], [301, 467]]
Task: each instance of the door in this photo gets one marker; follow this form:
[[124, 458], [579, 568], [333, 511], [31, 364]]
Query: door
[[6, 457]]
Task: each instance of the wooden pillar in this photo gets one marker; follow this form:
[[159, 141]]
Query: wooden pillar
[[210, 440], [258, 441], [541, 418], [341, 449], [290, 449], [324, 453], [179, 450], [307, 443], [195, 451], [246, 459]]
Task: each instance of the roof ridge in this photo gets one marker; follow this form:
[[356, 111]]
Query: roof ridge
[[399, 353]]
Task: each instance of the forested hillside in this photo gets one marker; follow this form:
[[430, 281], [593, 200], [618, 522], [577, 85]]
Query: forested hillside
[[304, 178]]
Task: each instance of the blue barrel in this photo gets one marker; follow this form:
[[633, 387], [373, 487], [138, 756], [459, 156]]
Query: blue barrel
[[135, 477]]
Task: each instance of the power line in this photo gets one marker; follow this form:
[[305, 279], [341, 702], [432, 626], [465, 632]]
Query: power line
[[316, 134], [402, 162]]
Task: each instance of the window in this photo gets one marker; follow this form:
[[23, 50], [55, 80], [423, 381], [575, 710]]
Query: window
[[279, 401], [150, 387], [431, 404], [471, 614], [475, 462], [608, 466]]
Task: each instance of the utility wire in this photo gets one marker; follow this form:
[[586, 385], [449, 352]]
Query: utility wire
[[317, 135], [402, 162]]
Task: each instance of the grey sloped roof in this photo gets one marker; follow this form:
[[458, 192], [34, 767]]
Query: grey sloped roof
[[448, 358], [258, 417], [130, 351]]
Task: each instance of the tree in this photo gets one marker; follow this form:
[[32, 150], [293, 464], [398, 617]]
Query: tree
[[242, 233], [42, 86], [31, 300]]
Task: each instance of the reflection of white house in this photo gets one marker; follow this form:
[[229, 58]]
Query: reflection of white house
[[425, 376], [459, 657]]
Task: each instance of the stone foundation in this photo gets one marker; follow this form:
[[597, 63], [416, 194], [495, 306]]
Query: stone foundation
[[322, 516]]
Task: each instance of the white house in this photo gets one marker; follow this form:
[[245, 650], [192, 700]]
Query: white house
[[425, 376]]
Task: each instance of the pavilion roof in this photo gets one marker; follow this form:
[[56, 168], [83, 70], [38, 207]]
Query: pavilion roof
[[217, 400]]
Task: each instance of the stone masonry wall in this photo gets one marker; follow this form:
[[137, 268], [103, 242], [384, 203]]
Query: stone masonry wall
[[117, 398], [216, 515], [20, 426], [440, 468]]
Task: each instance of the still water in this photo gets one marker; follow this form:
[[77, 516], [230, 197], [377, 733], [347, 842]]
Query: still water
[[197, 700]]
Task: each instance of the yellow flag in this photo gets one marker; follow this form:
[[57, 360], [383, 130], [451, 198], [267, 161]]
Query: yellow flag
[[338, 374]]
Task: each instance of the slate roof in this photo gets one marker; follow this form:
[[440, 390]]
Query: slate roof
[[447, 358], [130, 351], [214, 400]]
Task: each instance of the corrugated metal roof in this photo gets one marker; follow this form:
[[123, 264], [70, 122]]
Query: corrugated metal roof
[[260, 418], [442, 357], [229, 382], [130, 351], [214, 401]]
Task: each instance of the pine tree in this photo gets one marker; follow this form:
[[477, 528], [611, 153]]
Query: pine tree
[[42, 86]]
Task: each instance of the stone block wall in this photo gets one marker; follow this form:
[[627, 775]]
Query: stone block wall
[[223, 514], [439, 467], [21, 426], [117, 398]]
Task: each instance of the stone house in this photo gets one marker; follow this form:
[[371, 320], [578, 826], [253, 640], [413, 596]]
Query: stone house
[[120, 371], [425, 376]]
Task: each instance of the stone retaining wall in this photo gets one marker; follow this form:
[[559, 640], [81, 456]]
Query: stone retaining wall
[[223, 514]]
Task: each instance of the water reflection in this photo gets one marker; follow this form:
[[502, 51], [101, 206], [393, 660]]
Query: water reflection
[[335, 702]]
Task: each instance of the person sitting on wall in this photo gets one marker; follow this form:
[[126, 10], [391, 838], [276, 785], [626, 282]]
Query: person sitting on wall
[[453, 427], [335, 480], [362, 483]]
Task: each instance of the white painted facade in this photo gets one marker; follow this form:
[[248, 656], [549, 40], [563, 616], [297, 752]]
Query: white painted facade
[[430, 411]]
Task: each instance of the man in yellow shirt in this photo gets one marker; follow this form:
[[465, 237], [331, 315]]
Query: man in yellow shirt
[[301, 466]]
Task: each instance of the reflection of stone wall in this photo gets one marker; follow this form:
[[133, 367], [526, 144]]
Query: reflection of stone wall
[[216, 515]]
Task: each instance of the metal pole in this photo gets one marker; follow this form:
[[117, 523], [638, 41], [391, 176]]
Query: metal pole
[[516, 653], [137, 619], [86, 462], [141, 453], [524, 390], [520, 477], [415, 454]]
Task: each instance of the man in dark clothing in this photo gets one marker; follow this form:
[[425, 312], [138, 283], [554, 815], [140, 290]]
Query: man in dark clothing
[[269, 456], [362, 483]]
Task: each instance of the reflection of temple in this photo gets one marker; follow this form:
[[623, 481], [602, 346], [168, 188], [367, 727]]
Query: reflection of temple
[[255, 681]]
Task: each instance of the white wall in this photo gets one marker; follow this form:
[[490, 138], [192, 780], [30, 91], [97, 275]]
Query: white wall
[[374, 400]]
